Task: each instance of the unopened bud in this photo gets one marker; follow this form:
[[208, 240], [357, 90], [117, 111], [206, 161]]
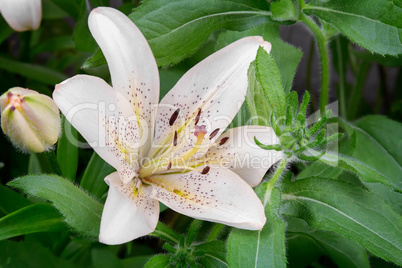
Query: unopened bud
[[31, 120]]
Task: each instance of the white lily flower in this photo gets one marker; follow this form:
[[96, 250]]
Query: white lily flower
[[183, 158], [22, 15]]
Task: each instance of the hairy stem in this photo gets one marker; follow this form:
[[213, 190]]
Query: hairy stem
[[324, 58]]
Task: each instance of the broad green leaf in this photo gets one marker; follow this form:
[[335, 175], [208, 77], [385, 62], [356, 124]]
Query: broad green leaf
[[31, 219], [94, 175], [363, 170], [35, 72], [164, 22], [384, 132], [348, 210], [265, 248], [214, 254], [267, 74], [375, 25], [11, 200], [344, 252], [67, 152], [378, 145], [81, 211], [284, 10], [257, 105], [158, 261], [286, 56], [29, 254]]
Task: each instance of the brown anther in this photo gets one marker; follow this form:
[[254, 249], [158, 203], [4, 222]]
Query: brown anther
[[9, 95], [197, 117], [223, 140], [205, 170], [175, 138], [169, 166], [12, 108], [174, 117], [213, 134]]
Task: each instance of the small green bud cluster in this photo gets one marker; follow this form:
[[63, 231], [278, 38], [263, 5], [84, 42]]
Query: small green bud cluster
[[294, 134], [31, 120]]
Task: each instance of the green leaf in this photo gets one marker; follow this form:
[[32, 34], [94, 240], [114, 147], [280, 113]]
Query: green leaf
[[96, 60], [164, 232], [11, 200], [386, 133], [192, 231], [267, 74], [284, 10], [214, 254], [378, 145], [286, 56], [348, 210], [158, 261], [365, 24], [250, 248], [257, 104], [31, 219], [35, 72], [344, 252], [29, 254], [67, 152], [94, 175], [164, 22], [81, 212], [364, 171]]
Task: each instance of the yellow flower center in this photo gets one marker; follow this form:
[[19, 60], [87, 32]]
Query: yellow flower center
[[167, 160]]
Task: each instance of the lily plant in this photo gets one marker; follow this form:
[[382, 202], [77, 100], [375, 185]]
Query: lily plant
[[177, 152]]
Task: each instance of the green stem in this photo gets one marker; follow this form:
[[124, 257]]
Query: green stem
[[308, 74], [324, 58], [341, 96], [274, 179]]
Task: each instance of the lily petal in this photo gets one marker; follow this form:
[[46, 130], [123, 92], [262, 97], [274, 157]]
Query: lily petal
[[22, 15], [104, 118], [127, 216], [241, 155], [217, 86], [131, 63], [219, 196]]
